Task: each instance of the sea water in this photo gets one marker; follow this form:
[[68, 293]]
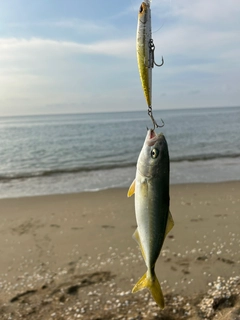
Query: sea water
[[51, 154]]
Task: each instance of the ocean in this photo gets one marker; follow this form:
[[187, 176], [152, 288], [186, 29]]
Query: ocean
[[55, 154]]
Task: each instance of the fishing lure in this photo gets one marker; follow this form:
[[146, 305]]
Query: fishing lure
[[145, 54]]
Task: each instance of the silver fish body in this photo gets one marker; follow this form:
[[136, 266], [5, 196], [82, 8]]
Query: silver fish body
[[154, 220]]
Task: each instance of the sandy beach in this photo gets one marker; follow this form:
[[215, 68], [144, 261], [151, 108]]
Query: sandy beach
[[73, 257]]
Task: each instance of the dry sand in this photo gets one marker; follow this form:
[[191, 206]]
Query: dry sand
[[73, 256]]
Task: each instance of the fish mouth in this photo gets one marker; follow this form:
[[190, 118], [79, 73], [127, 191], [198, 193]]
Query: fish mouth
[[151, 137]]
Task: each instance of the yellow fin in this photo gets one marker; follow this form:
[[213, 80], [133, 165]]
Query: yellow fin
[[170, 224], [137, 238], [153, 286], [131, 189]]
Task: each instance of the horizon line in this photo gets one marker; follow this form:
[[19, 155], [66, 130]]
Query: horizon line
[[124, 111]]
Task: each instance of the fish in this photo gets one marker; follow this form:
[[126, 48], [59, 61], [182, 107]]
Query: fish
[[152, 201], [144, 57]]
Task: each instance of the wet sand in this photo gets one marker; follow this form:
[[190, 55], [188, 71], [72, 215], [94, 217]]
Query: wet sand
[[73, 256]]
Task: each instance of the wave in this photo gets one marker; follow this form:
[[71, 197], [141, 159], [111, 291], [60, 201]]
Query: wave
[[53, 172], [205, 157]]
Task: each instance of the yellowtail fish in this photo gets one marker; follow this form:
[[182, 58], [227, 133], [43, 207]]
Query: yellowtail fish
[[154, 220]]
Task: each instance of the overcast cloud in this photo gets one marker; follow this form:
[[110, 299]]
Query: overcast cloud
[[78, 56]]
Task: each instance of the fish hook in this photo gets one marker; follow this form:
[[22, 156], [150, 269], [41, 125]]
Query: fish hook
[[155, 125], [152, 48]]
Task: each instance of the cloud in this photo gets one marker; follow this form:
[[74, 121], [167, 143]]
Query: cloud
[[118, 48], [200, 42], [80, 26], [201, 37], [207, 12], [48, 72], [86, 28], [97, 70]]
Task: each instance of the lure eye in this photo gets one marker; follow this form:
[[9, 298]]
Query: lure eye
[[141, 9], [154, 153]]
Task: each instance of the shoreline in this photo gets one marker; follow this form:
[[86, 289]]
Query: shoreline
[[72, 254], [212, 171], [172, 185]]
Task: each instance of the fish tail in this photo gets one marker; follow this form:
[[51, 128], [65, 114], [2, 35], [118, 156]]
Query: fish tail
[[152, 284]]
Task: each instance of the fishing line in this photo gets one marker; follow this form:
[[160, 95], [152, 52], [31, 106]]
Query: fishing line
[[158, 28]]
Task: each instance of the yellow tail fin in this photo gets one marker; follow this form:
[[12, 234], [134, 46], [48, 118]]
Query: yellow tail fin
[[152, 284]]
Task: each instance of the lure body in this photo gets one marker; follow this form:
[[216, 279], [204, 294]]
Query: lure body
[[144, 56]]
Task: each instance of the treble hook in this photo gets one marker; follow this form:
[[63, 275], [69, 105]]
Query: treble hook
[[155, 125], [152, 48], [152, 61]]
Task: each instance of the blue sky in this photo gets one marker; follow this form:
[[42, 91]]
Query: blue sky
[[80, 56]]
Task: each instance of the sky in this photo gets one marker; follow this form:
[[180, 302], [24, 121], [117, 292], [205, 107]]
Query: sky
[[64, 56]]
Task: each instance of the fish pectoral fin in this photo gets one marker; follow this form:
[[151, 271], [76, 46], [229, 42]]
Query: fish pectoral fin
[[131, 189], [153, 285], [170, 224], [136, 237]]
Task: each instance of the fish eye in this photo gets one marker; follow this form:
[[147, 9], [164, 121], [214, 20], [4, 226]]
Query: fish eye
[[154, 153], [141, 9]]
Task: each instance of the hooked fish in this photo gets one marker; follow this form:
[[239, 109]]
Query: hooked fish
[[145, 50], [154, 220]]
